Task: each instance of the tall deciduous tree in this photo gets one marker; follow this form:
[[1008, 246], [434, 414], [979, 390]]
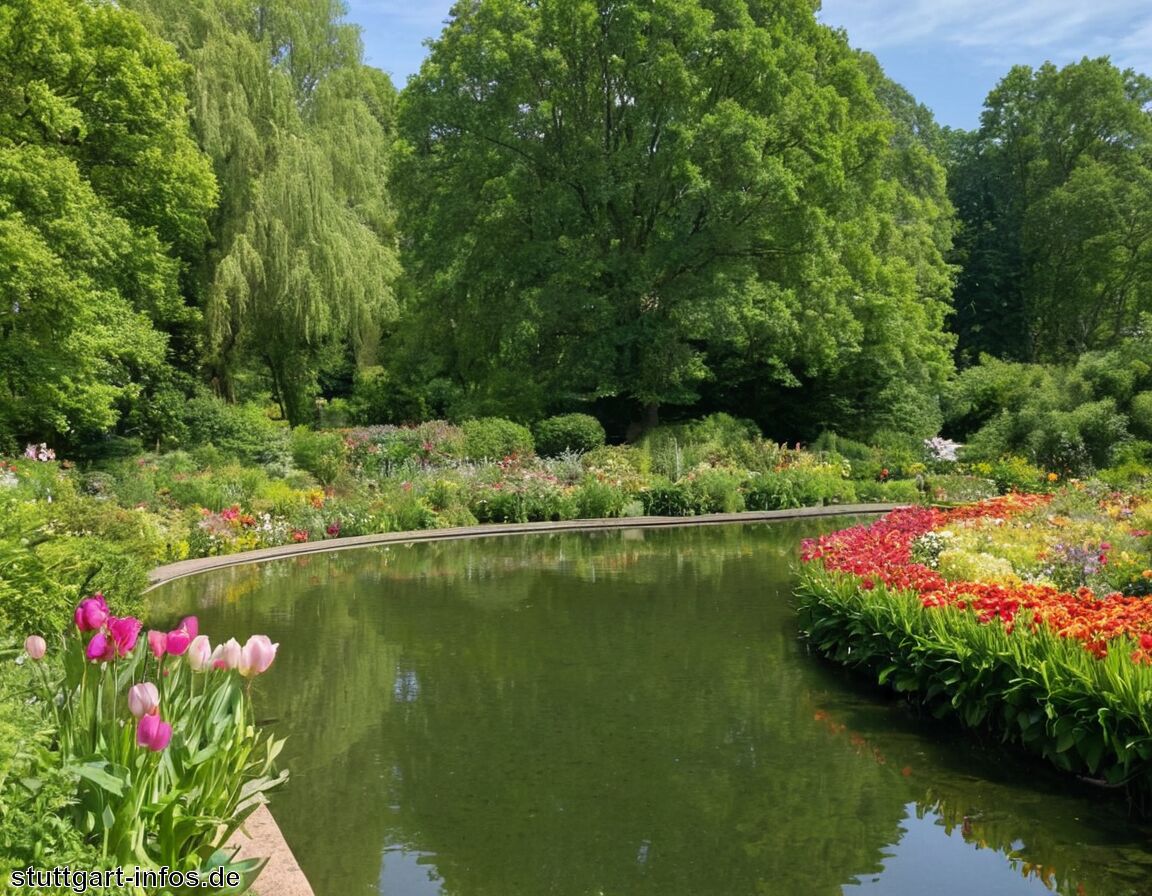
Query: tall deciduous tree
[[1055, 194], [609, 198], [299, 133], [103, 197]]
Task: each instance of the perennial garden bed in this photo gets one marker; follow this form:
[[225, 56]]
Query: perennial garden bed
[[1025, 615]]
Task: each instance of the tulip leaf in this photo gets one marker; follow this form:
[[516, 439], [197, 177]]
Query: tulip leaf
[[105, 775]]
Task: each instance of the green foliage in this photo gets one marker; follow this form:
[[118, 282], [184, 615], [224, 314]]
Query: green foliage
[[1140, 415], [895, 491], [799, 487], [323, 454], [171, 804], [568, 432], [243, 431], [664, 498], [102, 195], [1054, 191], [1012, 473], [35, 795], [605, 207], [1070, 418], [718, 438], [51, 551], [596, 499], [298, 130], [1046, 693], [491, 438], [714, 490]]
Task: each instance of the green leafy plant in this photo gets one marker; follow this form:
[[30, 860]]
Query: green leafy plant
[[568, 432], [158, 735], [492, 438]]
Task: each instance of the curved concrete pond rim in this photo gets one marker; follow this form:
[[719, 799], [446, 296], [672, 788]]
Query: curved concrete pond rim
[[260, 835], [183, 568]]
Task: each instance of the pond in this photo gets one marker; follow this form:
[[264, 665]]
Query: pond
[[621, 713]]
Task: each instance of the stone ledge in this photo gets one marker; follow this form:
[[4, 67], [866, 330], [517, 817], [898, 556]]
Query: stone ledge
[[183, 568], [258, 838]]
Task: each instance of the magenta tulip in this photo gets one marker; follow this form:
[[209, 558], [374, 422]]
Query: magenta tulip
[[257, 655], [200, 654], [101, 649], [35, 647], [91, 613], [227, 655], [124, 632], [157, 643], [180, 637], [143, 699], [153, 732]]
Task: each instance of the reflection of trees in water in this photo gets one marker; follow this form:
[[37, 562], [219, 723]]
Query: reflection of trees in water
[[1076, 841], [656, 732]]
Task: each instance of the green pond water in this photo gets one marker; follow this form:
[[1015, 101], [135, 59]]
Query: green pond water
[[625, 713]]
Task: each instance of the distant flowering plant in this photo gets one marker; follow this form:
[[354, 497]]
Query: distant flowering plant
[[39, 452], [159, 735], [941, 450]]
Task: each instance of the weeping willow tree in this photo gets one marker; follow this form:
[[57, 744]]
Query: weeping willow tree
[[298, 131]]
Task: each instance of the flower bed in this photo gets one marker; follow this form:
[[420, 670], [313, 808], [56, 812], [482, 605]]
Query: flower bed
[[1049, 644], [153, 743]]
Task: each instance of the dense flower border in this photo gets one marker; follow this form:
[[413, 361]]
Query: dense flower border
[[882, 553]]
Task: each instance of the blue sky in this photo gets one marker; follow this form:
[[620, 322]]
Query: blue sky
[[948, 53]]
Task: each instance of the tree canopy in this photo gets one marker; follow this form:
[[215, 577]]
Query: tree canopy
[[606, 199], [1055, 194], [103, 200], [298, 130]]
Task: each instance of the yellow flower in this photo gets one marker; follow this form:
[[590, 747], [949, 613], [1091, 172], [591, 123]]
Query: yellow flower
[[1052, 477]]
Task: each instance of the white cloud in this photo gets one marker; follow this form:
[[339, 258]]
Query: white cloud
[[1060, 29]]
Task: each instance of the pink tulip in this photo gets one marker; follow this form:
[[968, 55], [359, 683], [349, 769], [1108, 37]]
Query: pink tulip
[[181, 636], [101, 648], [200, 654], [35, 647], [257, 655], [91, 613], [143, 699], [124, 632], [153, 732], [157, 643], [227, 655]]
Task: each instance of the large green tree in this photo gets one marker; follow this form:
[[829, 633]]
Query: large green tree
[[298, 130], [103, 203], [1055, 194], [606, 198]]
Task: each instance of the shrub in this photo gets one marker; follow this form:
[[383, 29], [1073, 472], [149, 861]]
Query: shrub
[[568, 432], [624, 462], [1012, 474], [666, 498], [717, 439], [596, 499], [243, 431], [715, 491], [894, 491], [323, 454], [491, 438], [1140, 415], [799, 486]]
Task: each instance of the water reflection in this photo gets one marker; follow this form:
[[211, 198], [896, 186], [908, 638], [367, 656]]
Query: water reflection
[[623, 714], [928, 856]]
